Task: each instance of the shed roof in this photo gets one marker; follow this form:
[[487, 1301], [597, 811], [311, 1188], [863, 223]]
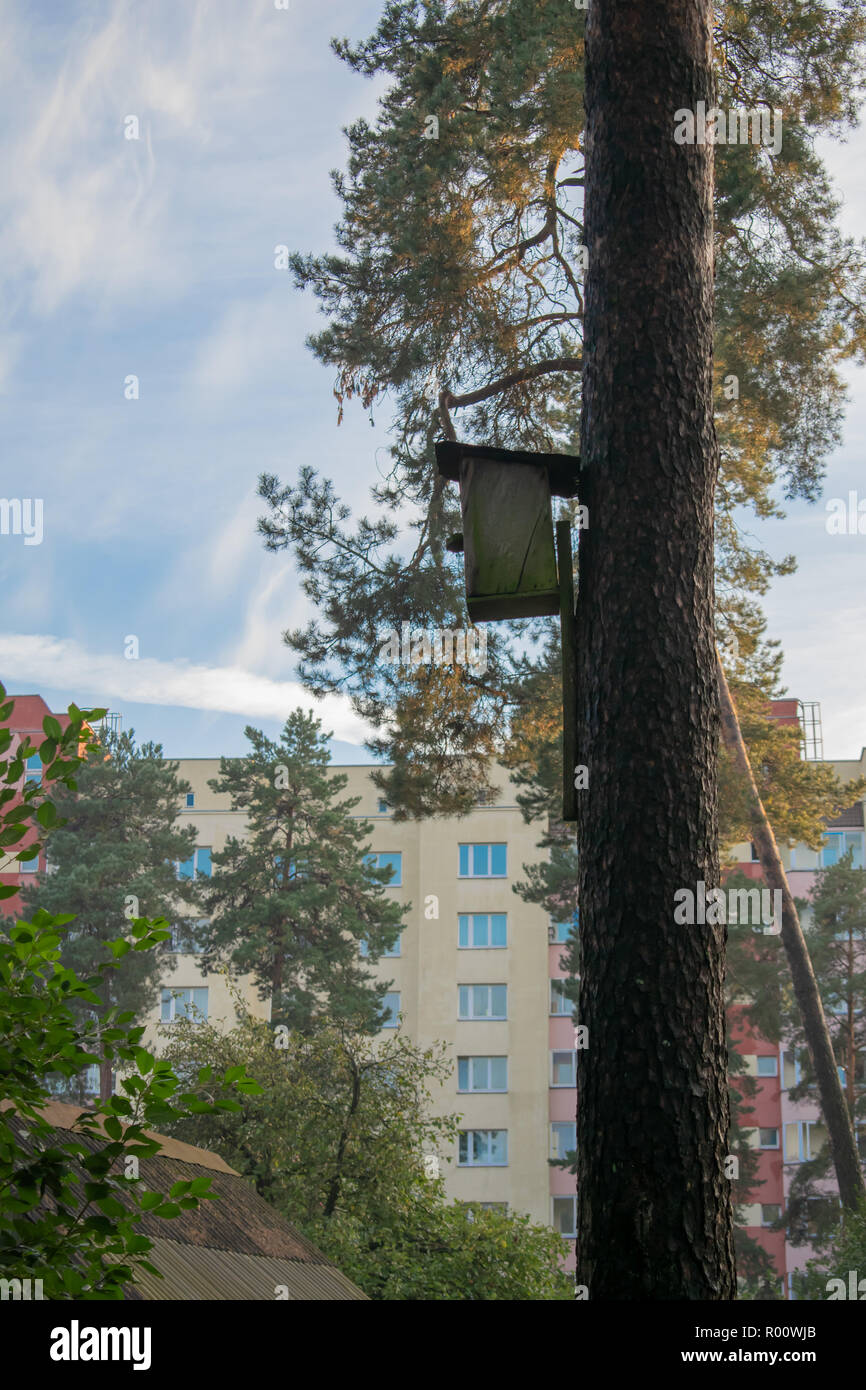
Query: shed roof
[[236, 1248]]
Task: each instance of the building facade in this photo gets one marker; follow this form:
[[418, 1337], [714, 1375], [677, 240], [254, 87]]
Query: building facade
[[475, 967], [479, 969]]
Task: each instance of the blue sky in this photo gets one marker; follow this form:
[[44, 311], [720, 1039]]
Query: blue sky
[[155, 258]]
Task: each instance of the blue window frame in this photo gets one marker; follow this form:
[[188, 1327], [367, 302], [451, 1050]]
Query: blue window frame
[[190, 798], [364, 947], [563, 1069], [483, 1148], [482, 1001], [184, 1003], [561, 931], [33, 769], [198, 865], [391, 1008], [389, 861], [837, 843], [482, 930], [482, 1074], [563, 1138], [560, 1004], [483, 861]]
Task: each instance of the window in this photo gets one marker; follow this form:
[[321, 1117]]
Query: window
[[184, 1003], [186, 935], [768, 1066], [190, 798], [563, 1138], [392, 951], [389, 861], [837, 843], [771, 1212], [382, 807], [391, 1009], [756, 858], [565, 1216], [822, 1214], [493, 1206], [768, 1138], [559, 1003], [563, 1068], [33, 769], [197, 866], [483, 1148], [804, 1139], [479, 930], [29, 866], [482, 1073], [561, 931], [482, 861], [482, 1001]]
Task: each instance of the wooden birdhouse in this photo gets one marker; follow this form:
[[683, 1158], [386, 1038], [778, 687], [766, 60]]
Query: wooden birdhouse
[[507, 540]]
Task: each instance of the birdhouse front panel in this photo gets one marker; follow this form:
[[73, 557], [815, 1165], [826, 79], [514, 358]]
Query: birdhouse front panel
[[509, 552]]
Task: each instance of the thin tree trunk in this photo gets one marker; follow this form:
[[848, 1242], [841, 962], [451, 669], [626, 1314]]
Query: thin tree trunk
[[843, 1147], [335, 1185], [654, 1205]]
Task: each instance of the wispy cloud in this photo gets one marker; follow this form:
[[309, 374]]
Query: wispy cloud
[[98, 679], [88, 209]]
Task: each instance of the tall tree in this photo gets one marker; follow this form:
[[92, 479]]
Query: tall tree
[[341, 1141], [654, 1204], [292, 901], [835, 936], [458, 286], [114, 860], [849, 1174]]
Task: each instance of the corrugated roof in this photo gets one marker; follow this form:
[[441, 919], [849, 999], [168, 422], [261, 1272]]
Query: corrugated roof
[[238, 1247], [192, 1272]]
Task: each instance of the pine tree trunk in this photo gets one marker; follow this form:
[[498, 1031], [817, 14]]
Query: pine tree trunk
[[843, 1147], [654, 1204]]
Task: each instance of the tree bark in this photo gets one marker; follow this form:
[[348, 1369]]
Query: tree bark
[[654, 1204], [105, 1078], [843, 1146]]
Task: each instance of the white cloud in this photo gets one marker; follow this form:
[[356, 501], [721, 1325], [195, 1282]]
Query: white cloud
[[251, 343], [86, 209], [66, 665]]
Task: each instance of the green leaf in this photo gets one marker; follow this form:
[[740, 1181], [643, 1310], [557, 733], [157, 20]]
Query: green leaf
[[46, 815]]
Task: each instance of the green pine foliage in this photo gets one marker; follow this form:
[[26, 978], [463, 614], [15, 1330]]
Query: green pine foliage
[[292, 901], [458, 280], [114, 860]]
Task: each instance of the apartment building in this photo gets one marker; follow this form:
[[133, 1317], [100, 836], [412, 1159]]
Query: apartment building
[[475, 967], [478, 968], [784, 1131], [25, 722]]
